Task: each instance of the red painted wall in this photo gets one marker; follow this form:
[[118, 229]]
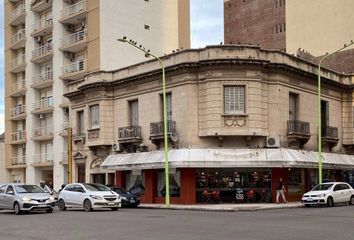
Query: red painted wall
[[120, 179], [188, 186], [278, 173], [150, 186]]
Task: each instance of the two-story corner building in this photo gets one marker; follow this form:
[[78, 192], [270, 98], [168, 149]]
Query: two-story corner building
[[239, 118]]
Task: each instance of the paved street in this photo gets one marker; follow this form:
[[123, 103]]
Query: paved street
[[283, 224]]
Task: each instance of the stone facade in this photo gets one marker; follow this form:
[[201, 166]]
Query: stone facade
[[196, 80]]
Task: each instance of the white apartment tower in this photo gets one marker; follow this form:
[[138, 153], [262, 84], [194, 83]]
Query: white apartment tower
[[50, 45]]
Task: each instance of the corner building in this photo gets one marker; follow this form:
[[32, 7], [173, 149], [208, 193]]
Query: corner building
[[49, 47], [239, 118]]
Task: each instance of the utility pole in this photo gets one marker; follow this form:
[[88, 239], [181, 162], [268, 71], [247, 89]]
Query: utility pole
[[70, 155]]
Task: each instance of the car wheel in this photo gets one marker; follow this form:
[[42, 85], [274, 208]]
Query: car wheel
[[87, 205], [61, 205], [351, 202], [17, 209], [330, 202], [114, 209]]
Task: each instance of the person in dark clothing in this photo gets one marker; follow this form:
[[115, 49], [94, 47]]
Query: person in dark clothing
[[281, 190]]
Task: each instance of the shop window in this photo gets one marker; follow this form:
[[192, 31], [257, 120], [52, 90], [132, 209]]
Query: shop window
[[234, 99], [135, 182], [296, 181], [174, 181]]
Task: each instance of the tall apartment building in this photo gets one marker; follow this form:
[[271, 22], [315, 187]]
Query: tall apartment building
[[49, 47], [318, 26]]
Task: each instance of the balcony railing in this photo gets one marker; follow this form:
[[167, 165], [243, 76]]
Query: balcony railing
[[21, 59], [18, 136], [75, 67], [79, 137], [18, 86], [44, 158], [329, 132], [157, 128], [46, 131], [35, 3], [19, 160], [298, 127], [41, 24], [42, 77], [129, 132], [19, 36], [17, 12], [74, 38], [42, 50], [44, 103], [73, 9], [18, 110]]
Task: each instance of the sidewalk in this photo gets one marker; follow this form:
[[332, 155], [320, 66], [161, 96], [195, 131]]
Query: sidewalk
[[225, 207]]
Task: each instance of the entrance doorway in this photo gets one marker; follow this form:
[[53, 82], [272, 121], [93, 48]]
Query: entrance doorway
[[81, 173]]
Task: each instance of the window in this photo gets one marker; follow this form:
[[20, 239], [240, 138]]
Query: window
[[2, 189], [134, 113], [234, 99], [80, 122], [95, 116], [344, 186], [293, 99], [175, 183], [10, 190], [168, 106]]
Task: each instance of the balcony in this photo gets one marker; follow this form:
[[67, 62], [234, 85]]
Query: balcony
[[42, 27], [43, 106], [43, 53], [75, 42], [298, 131], [43, 160], [74, 71], [18, 16], [18, 162], [18, 112], [43, 133], [42, 80], [18, 137], [18, 40], [79, 137], [18, 64], [131, 134], [18, 89], [157, 132], [330, 136], [41, 5], [74, 14]]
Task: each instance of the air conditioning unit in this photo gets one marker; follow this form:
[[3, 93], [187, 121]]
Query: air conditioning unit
[[69, 27], [115, 148], [39, 39], [41, 116], [273, 142]]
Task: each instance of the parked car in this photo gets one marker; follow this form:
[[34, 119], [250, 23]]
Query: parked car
[[25, 198], [88, 196], [329, 193], [128, 199]]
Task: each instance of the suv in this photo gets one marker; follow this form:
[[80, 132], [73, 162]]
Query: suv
[[88, 196]]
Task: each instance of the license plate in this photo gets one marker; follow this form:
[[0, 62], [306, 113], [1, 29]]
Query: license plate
[[111, 203], [132, 201], [42, 205]]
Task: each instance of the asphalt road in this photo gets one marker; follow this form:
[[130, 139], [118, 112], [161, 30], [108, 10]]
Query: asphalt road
[[284, 224]]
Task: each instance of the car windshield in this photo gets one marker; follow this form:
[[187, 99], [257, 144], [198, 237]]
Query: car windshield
[[28, 189], [96, 187], [120, 191], [322, 187]]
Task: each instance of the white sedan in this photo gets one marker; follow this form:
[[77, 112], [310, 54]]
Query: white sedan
[[88, 196], [329, 194]]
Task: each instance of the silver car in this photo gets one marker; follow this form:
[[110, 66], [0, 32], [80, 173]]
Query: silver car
[[25, 198]]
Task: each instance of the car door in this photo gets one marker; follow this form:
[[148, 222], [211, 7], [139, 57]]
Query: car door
[[337, 193], [2, 196], [68, 195], [9, 197], [346, 192], [80, 194]]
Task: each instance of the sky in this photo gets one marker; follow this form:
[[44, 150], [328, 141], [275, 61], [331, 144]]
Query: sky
[[206, 29]]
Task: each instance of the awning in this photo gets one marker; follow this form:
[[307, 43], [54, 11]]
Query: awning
[[233, 158]]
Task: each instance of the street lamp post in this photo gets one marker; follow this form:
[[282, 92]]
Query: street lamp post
[[148, 54], [319, 120]]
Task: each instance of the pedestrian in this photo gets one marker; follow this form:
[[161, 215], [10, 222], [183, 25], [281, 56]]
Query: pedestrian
[[281, 190], [45, 187]]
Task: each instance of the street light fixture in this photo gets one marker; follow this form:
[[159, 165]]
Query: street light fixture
[[148, 54], [319, 122]]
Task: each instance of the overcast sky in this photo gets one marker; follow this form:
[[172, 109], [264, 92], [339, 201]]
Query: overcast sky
[[206, 29]]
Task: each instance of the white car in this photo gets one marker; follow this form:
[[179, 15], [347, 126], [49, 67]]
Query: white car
[[329, 194], [88, 196]]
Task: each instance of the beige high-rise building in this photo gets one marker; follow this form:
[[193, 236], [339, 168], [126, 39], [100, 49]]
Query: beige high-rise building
[[318, 26], [49, 47]]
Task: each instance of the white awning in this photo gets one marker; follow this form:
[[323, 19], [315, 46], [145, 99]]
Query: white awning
[[224, 158]]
